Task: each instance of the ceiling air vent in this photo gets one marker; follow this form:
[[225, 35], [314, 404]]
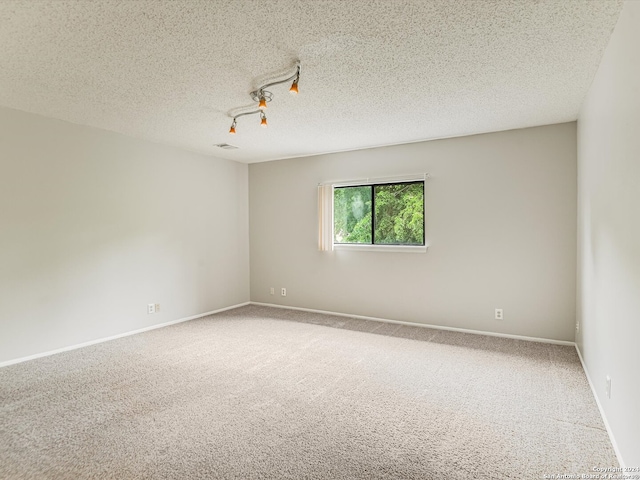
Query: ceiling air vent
[[226, 146]]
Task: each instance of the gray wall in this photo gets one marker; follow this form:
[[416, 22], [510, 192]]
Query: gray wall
[[609, 233], [501, 225], [95, 225]]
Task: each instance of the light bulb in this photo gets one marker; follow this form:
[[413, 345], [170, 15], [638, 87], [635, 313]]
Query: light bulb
[[294, 87], [263, 104]]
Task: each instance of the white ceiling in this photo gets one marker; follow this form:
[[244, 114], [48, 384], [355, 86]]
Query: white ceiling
[[374, 72]]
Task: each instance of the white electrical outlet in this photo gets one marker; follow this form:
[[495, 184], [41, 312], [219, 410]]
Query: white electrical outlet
[[283, 292], [157, 307], [272, 291], [499, 315], [608, 386], [151, 308], [577, 326]]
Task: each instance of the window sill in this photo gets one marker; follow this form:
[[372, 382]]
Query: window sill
[[382, 248]]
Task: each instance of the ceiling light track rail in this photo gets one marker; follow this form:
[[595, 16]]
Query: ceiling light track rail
[[263, 96]]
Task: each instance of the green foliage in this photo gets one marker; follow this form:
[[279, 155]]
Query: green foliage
[[352, 214], [399, 214]]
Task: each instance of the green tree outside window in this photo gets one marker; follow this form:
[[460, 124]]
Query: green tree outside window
[[385, 214]]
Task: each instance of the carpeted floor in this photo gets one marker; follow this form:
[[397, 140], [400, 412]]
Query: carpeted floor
[[264, 393]]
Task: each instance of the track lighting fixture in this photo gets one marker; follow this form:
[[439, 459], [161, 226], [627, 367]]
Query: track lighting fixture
[[263, 96]]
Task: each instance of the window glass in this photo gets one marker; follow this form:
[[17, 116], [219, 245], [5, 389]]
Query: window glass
[[381, 214], [352, 215], [399, 214]]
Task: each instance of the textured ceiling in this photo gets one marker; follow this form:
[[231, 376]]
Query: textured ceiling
[[373, 72]]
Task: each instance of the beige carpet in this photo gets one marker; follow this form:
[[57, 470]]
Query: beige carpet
[[263, 393]]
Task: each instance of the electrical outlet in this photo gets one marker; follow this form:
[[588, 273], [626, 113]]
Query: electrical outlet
[[499, 315], [283, 292], [272, 291], [577, 326], [151, 308], [608, 386], [157, 307]]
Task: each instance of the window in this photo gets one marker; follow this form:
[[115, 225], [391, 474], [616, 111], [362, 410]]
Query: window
[[379, 214]]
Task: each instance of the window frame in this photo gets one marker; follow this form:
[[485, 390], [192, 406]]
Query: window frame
[[413, 248]]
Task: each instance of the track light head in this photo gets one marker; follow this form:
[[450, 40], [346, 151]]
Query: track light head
[[263, 120], [263, 103], [294, 86], [232, 130]]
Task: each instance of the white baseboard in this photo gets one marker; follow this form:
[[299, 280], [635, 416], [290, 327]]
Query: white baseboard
[[414, 324], [113, 337], [602, 414]]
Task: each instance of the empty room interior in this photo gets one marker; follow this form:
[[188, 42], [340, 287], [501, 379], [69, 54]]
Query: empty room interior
[[365, 239]]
